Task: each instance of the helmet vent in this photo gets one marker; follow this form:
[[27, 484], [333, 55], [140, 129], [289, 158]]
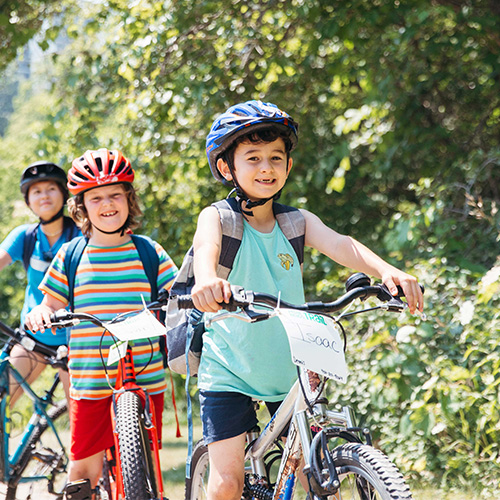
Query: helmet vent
[[80, 176], [98, 162]]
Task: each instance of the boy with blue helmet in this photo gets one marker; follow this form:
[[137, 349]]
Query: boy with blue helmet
[[249, 147]]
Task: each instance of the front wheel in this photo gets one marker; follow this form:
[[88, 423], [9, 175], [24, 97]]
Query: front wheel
[[365, 473], [138, 472], [43, 457]]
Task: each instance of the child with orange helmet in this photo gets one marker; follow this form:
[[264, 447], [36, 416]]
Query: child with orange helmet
[[110, 279]]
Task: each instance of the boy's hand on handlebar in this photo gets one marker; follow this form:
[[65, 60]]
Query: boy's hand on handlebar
[[410, 286], [209, 296], [39, 318]]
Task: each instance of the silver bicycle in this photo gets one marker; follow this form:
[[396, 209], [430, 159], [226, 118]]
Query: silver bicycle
[[336, 457]]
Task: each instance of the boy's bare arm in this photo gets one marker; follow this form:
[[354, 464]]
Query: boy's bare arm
[[38, 319], [351, 253], [209, 290]]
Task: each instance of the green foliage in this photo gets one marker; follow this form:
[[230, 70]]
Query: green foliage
[[17, 150], [398, 106], [20, 21], [430, 388]]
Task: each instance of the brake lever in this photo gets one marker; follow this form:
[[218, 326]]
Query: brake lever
[[246, 314], [63, 318], [393, 303]]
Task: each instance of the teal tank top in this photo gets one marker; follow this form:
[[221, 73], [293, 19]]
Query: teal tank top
[[254, 359]]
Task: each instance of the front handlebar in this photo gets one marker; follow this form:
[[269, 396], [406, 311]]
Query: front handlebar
[[241, 298], [55, 356]]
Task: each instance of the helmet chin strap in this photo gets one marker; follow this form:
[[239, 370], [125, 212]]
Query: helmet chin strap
[[54, 218], [120, 230]]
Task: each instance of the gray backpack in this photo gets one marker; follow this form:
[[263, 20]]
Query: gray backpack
[[183, 345]]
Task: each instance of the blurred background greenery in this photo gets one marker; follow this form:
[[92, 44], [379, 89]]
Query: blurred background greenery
[[399, 111]]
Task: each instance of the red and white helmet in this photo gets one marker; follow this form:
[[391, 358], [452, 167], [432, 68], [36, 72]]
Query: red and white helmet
[[99, 168]]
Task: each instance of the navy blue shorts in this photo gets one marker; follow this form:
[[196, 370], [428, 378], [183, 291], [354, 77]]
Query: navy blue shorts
[[228, 414]]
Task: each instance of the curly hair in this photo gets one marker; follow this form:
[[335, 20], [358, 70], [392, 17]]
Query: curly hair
[[78, 212]]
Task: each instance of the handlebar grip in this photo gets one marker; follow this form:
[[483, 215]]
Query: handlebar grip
[[402, 294], [184, 302], [61, 315], [238, 298]]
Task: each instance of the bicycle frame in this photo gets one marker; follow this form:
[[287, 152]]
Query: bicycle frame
[[126, 381], [353, 465], [40, 411], [298, 444]]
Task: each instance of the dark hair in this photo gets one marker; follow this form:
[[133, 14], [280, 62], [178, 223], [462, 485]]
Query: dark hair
[[264, 135], [78, 212]]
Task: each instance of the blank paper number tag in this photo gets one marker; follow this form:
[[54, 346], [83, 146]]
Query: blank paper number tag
[[117, 351], [315, 343], [140, 326]]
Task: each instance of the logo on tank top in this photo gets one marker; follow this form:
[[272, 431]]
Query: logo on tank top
[[286, 260]]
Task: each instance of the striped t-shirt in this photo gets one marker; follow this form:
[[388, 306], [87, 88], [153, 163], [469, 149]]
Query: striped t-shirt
[[108, 281]]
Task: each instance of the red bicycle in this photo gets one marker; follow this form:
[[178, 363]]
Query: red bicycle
[[132, 469]]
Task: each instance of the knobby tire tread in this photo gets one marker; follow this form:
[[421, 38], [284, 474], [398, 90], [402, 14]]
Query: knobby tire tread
[[378, 469], [134, 458]]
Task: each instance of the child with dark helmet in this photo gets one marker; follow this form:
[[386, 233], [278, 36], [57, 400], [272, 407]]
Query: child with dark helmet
[[43, 186]]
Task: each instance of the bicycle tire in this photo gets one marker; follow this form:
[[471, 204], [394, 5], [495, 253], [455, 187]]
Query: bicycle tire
[[365, 473], [196, 485], [138, 472], [39, 459]]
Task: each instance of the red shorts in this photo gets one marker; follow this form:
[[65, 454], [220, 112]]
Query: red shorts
[[90, 424]]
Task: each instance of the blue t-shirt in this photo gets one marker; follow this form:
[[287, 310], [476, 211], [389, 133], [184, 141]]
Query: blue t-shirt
[[255, 359], [39, 263]]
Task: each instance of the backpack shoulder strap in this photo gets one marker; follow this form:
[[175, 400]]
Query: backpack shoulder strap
[[69, 223], [29, 243], [293, 225], [72, 258], [232, 233], [150, 260]]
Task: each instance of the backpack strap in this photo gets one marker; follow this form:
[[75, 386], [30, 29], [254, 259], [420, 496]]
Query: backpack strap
[[145, 249], [290, 220], [74, 253], [69, 223], [29, 243], [30, 237], [150, 261], [231, 221]]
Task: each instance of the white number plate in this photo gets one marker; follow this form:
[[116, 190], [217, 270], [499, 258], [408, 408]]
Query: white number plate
[[315, 342], [140, 326]]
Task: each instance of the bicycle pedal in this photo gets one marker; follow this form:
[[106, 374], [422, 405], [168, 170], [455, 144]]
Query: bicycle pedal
[[78, 490]]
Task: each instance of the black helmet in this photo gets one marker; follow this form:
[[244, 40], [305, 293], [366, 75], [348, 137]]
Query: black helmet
[[43, 171]]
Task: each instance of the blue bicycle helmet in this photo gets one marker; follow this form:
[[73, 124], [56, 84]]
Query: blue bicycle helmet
[[241, 119]]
